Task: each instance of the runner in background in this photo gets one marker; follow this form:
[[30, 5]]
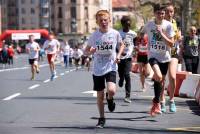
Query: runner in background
[[124, 66], [77, 54], [141, 46], [33, 48], [52, 46], [102, 44]]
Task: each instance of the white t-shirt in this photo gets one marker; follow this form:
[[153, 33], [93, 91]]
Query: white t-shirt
[[105, 55], [77, 54], [158, 49], [34, 52], [71, 51], [54, 44], [128, 39], [66, 49]]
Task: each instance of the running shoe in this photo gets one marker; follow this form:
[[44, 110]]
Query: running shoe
[[37, 70], [155, 109], [32, 78], [127, 100], [172, 106], [120, 83], [163, 107], [101, 123], [111, 103], [52, 77]]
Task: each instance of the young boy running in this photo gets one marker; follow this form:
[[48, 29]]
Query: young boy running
[[125, 63], [160, 34], [51, 47], [33, 48], [102, 44]]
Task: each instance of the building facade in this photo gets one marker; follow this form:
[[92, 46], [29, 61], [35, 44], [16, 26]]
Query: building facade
[[64, 17]]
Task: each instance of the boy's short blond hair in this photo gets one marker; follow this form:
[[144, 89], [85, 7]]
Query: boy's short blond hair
[[101, 13]]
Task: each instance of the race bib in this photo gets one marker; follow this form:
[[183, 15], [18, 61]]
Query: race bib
[[142, 48], [104, 48], [158, 47]]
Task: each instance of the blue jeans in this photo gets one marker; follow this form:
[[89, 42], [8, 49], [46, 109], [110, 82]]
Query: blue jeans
[[66, 60]]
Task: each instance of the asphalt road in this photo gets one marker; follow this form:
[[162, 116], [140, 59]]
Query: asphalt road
[[67, 105]]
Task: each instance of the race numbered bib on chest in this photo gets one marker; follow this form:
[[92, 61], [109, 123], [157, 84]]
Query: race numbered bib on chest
[[104, 47], [143, 48], [158, 47]]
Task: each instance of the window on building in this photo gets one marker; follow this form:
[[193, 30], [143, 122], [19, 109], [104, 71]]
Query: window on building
[[45, 11], [73, 1], [60, 15], [32, 11], [86, 13], [23, 11], [60, 27], [23, 21], [60, 1], [22, 1], [32, 1], [73, 12]]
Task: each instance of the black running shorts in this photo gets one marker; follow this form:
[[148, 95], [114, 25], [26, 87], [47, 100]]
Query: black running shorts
[[163, 66], [99, 81]]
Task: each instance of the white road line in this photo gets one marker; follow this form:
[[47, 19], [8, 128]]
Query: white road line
[[34, 86], [66, 71], [11, 97], [94, 93], [62, 74], [46, 81], [21, 68], [12, 69]]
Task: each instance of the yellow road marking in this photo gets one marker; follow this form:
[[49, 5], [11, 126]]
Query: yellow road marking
[[193, 129]]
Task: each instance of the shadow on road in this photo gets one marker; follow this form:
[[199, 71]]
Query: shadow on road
[[193, 105], [112, 129]]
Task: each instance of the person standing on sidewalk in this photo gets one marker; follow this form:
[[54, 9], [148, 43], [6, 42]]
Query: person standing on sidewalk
[[191, 50], [161, 38], [65, 49], [33, 48], [77, 54], [51, 46], [124, 66], [11, 54], [102, 44], [173, 63]]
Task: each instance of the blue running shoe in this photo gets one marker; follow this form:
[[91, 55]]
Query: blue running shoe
[[163, 107], [52, 77], [172, 106]]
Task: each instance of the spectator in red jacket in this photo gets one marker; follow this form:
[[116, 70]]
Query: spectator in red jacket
[[11, 54]]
